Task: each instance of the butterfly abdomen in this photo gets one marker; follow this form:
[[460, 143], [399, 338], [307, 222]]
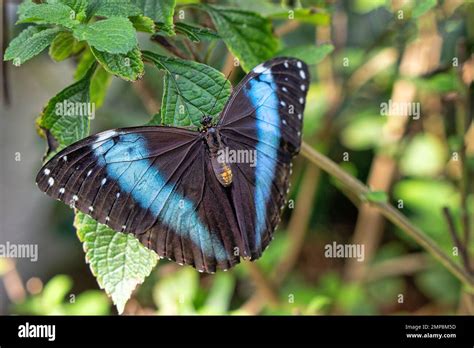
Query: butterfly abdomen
[[221, 168]]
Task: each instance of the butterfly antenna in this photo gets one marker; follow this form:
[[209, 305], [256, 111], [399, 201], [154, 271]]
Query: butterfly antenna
[[218, 95]]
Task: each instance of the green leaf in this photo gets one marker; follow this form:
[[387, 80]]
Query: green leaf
[[113, 35], [161, 11], [247, 35], [63, 46], [440, 83], [117, 8], [376, 197], [55, 290], [127, 66], [89, 302], [49, 13], [118, 261], [77, 5], [310, 54], [143, 24], [305, 15], [99, 84], [422, 7], [24, 8], [29, 43], [363, 131], [365, 6], [424, 156], [195, 33], [191, 90], [63, 123], [85, 62], [155, 120]]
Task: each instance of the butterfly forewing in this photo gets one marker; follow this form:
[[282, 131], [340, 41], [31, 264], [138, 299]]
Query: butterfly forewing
[[153, 182]]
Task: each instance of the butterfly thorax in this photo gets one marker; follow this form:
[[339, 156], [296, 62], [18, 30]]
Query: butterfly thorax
[[215, 147]]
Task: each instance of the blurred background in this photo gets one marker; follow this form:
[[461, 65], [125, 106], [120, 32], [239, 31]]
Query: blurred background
[[404, 51]]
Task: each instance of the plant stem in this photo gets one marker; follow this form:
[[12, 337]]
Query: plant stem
[[387, 210]]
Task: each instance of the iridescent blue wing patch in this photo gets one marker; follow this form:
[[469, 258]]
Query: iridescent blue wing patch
[[264, 114], [154, 182]]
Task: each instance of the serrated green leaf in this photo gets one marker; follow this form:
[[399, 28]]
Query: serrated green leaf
[[113, 35], [118, 261], [143, 23], [63, 123], [160, 11], [191, 90], [24, 7], [195, 33], [127, 66], [247, 35], [77, 5], [118, 8], [310, 54], [63, 46], [49, 13], [376, 197], [29, 43], [99, 84], [423, 6]]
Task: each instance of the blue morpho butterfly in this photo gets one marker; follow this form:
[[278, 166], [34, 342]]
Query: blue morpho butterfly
[[167, 186]]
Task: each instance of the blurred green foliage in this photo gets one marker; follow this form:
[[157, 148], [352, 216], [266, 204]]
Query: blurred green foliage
[[342, 116]]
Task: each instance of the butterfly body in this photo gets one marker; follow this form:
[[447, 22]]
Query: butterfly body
[[204, 198], [221, 168]]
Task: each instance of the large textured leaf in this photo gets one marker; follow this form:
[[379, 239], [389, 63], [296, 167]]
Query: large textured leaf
[[247, 35], [113, 35], [191, 90], [160, 11], [310, 54], [128, 66], [121, 8], [77, 5], [64, 128], [118, 261], [49, 13], [29, 43]]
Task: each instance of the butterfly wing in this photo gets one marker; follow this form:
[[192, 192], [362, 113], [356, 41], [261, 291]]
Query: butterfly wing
[[154, 182], [264, 114]]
